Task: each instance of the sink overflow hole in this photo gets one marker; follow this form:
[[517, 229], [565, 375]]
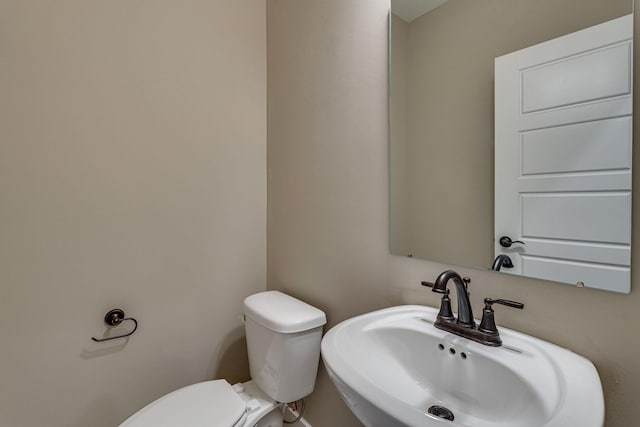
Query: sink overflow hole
[[463, 355], [452, 350], [441, 412], [440, 346]]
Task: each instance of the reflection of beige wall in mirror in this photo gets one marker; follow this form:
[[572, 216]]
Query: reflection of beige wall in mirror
[[442, 118]]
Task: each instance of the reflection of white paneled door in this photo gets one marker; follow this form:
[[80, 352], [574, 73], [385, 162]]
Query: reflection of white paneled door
[[563, 157]]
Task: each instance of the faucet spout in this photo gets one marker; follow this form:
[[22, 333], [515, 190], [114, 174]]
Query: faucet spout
[[502, 261], [465, 314]]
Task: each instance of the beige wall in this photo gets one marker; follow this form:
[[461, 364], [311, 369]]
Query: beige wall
[[327, 164], [132, 175], [450, 125], [328, 205], [399, 207]]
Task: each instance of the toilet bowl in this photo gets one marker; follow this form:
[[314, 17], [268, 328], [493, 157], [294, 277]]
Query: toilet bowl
[[283, 343]]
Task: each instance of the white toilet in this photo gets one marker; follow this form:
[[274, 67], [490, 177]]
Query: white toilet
[[283, 342]]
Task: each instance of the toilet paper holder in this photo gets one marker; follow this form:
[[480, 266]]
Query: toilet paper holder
[[114, 318]]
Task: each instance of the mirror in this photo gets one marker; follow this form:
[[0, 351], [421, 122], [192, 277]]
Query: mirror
[[442, 133]]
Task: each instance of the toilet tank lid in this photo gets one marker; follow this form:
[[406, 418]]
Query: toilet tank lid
[[282, 313]]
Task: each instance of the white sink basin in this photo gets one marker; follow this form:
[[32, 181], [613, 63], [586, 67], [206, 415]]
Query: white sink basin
[[392, 365]]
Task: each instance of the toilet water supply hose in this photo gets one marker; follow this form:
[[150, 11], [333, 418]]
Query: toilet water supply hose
[[296, 409]]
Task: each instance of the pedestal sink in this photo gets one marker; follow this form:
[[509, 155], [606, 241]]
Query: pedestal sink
[[394, 368]]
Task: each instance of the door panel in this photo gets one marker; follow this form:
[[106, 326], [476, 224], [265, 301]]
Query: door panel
[[585, 217], [581, 77], [591, 146], [587, 274], [599, 253]]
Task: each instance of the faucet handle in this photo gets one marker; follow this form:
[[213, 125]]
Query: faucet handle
[[445, 312], [432, 286], [515, 304], [445, 303], [488, 323]]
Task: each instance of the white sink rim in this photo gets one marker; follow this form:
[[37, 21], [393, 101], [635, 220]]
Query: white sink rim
[[580, 401]]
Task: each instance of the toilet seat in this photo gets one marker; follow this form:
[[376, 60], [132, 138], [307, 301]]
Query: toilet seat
[[205, 404]]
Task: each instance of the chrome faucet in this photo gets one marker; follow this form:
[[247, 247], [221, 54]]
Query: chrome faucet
[[465, 326]]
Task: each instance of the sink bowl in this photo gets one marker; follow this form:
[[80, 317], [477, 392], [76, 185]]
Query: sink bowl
[[394, 368]]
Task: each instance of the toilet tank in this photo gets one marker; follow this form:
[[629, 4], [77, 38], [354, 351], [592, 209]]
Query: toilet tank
[[283, 343]]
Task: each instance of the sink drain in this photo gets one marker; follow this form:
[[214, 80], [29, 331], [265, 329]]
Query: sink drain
[[441, 412]]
